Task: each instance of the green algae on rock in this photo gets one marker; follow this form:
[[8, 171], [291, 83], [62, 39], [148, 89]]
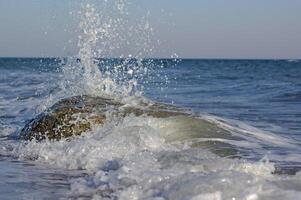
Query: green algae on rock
[[67, 118], [75, 115]]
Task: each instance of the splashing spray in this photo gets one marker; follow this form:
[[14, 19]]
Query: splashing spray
[[103, 34]]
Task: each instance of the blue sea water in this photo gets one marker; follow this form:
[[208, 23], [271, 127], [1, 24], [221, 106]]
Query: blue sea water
[[260, 97]]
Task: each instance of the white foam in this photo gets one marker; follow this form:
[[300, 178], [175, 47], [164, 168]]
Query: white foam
[[130, 159], [238, 127]]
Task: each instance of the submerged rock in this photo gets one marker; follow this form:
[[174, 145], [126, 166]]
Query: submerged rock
[[75, 115]]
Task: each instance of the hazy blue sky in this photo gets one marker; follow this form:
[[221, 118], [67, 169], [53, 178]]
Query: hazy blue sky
[[191, 28]]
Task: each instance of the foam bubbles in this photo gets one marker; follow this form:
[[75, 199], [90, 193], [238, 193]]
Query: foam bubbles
[[131, 158]]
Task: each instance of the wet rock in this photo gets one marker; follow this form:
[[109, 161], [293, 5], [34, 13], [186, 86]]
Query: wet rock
[[76, 115]]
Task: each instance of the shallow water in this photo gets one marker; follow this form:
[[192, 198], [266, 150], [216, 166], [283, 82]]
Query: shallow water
[[256, 100]]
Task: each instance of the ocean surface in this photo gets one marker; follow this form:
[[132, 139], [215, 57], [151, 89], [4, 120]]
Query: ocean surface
[[256, 100]]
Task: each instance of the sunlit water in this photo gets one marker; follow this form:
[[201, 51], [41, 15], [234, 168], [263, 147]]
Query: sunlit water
[[257, 100]]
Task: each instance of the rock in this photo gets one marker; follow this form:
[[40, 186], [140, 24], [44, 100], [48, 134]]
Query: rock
[[75, 115]]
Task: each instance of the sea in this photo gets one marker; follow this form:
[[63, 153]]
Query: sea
[[258, 101]]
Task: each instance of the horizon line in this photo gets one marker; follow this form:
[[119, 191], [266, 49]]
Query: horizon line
[[155, 58]]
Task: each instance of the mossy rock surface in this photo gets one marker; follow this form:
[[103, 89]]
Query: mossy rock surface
[[76, 115]]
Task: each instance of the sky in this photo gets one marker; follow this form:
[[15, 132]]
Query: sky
[[190, 29]]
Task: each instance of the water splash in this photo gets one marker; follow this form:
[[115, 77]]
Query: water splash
[[103, 34]]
